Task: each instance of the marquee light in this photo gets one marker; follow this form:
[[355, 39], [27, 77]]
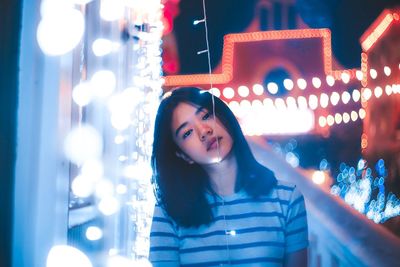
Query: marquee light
[[228, 54], [378, 28]]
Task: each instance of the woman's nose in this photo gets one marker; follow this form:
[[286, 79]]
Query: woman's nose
[[204, 131]]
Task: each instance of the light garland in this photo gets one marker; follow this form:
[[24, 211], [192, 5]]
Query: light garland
[[228, 53], [281, 107], [132, 112], [356, 185]]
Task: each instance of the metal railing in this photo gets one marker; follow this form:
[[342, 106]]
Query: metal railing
[[338, 234]]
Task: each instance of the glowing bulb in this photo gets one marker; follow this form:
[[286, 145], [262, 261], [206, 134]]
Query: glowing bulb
[[272, 88], [258, 89], [346, 117], [335, 97], [215, 91], [330, 80], [280, 104], [330, 120], [82, 94], [82, 186], [345, 77], [243, 91], [102, 47], [346, 97], [234, 106], [257, 104], [387, 71], [119, 139], [94, 233], [108, 205], [83, 143], [67, 256], [111, 10], [316, 82], [291, 103], [268, 103], [322, 121], [103, 83], [338, 118], [367, 93], [288, 83], [318, 177], [359, 75], [373, 73], [388, 90], [362, 113], [120, 121], [302, 102], [313, 102], [356, 95], [378, 91], [228, 92], [354, 116], [59, 32], [301, 83], [324, 100]]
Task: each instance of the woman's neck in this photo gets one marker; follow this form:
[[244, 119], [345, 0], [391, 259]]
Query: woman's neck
[[223, 175]]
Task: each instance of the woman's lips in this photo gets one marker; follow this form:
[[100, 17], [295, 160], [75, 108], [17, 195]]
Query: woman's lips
[[213, 143]]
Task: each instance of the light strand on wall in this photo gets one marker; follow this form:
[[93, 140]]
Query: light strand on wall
[[132, 113]]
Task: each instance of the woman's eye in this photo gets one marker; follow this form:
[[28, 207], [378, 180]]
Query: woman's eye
[[206, 116], [187, 133]]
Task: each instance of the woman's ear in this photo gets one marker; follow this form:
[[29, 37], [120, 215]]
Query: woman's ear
[[184, 157]]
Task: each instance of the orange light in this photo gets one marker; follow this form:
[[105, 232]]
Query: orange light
[[377, 29], [228, 54]]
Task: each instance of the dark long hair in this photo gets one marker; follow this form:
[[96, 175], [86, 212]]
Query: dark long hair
[[180, 186]]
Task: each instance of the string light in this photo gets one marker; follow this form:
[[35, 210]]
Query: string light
[[356, 185], [373, 73], [64, 256], [359, 75], [198, 21], [345, 77], [272, 88], [288, 83], [338, 118], [228, 93], [301, 83], [258, 89], [387, 71], [316, 82], [330, 80], [243, 91]]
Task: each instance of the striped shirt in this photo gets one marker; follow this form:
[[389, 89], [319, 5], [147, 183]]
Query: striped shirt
[[245, 231]]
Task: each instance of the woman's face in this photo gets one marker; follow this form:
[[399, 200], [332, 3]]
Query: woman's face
[[201, 138]]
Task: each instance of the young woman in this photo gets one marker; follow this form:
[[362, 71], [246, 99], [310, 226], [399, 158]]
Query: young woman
[[216, 205]]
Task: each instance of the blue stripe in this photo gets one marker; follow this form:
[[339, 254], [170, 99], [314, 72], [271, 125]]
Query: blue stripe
[[154, 234], [303, 229], [161, 219], [240, 231], [249, 215], [244, 261], [249, 200], [161, 248], [238, 246], [287, 188], [302, 214], [299, 200]]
